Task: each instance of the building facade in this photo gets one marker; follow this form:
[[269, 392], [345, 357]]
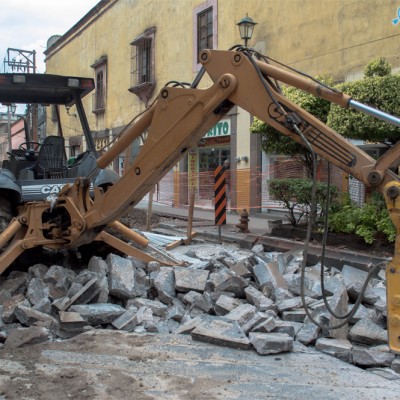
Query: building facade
[[132, 48]]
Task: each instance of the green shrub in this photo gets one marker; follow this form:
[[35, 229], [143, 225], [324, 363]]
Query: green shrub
[[295, 195], [368, 221]]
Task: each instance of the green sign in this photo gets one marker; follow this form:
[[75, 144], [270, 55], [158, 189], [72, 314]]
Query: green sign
[[222, 128]]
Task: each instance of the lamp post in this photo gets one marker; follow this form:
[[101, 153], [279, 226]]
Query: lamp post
[[246, 27], [12, 108]]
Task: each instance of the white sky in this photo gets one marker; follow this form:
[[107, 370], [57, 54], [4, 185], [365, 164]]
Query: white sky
[[28, 24]]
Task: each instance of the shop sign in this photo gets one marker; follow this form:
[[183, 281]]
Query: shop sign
[[222, 128]]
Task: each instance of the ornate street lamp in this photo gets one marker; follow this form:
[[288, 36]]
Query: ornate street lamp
[[246, 27]]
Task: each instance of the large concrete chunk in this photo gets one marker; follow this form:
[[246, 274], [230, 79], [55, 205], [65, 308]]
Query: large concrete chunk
[[372, 357], [242, 314], [59, 276], [121, 277], [71, 321], [132, 318], [159, 309], [308, 333], [12, 286], [21, 336], [271, 343], [98, 314], [164, 283], [234, 284], [256, 298], [98, 265], [10, 306], [36, 291], [268, 274], [225, 304], [187, 279], [339, 305], [367, 332], [217, 330], [312, 285], [28, 316], [336, 347]]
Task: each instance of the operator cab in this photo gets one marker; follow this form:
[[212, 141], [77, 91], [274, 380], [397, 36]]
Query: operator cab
[[44, 89], [35, 164]]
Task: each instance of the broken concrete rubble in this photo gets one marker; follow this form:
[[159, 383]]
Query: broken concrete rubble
[[244, 301]]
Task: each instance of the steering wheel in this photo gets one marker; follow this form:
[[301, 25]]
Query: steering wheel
[[29, 146]]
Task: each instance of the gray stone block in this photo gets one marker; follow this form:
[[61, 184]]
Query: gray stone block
[[98, 265], [233, 284], [187, 279], [308, 334], [121, 277], [98, 314], [37, 271], [294, 315], [256, 298], [164, 283], [132, 319], [28, 317], [290, 328], [257, 319], [59, 276], [71, 321], [339, 304], [12, 286], [188, 324], [218, 330], [266, 326], [338, 348], [158, 309], [271, 343], [268, 274], [369, 357], [9, 307], [21, 336], [242, 313], [225, 304], [312, 285], [367, 332]]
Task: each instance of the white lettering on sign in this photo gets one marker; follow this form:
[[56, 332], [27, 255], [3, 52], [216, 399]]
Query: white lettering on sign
[[51, 189], [222, 128]]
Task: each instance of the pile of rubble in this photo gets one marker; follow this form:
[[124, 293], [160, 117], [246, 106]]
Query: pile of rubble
[[226, 296]]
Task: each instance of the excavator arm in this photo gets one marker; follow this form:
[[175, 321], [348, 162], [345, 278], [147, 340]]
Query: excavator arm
[[175, 122]]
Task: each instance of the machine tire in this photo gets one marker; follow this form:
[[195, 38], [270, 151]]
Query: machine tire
[[5, 213]]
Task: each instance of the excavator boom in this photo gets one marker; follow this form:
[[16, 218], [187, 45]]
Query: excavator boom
[[175, 122]]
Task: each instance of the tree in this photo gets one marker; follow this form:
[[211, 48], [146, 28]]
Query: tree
[[272, 141], [379, 88]]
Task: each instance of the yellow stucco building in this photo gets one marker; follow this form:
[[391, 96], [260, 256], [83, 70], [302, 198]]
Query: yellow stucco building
[[132, 48]]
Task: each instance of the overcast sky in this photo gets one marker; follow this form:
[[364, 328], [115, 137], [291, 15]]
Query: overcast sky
[[28, 24]]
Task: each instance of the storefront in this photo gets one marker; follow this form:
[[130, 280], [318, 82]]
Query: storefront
[[213, 150]]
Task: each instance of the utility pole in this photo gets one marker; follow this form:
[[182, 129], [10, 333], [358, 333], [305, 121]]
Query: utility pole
[[9, 128]]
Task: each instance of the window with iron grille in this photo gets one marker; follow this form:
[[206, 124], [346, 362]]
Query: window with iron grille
[[99, 96], [142, 65], [99, 90], [205, 30]]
